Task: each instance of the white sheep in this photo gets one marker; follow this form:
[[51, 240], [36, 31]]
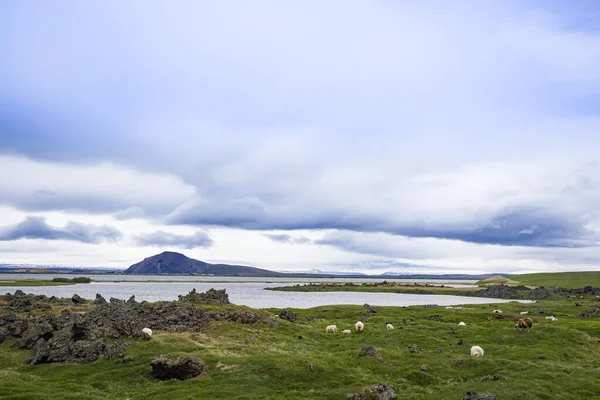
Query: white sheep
[[524, 312], [147, 333], [462, 324], [552, 318], [359, 326], [476, 351], [497, 311], [331, 329], [346, 331], [389, 327]]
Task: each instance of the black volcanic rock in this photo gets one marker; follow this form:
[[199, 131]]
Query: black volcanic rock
[[170, 262]]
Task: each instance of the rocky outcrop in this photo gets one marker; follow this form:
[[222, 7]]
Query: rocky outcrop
[[82, 337], [591, 312], [211, 296], [288, 315], [369, 351], [476, 396], [381, 391], [99, 300], [170, 367], [523, 292]]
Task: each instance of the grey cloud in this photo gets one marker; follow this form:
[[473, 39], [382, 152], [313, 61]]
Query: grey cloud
[[285, 238], [166, 239], [37, 228]]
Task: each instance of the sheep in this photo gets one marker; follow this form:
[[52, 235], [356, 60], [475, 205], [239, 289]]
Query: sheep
[[462, 324], [359, 326], [331, 329], [524, 323], [389, 326], [552, 318], [476, 351], [346, 332], [497, 311], [524, 312], [147, 333]]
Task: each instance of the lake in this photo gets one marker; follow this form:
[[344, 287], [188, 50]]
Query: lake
[[241, 290]]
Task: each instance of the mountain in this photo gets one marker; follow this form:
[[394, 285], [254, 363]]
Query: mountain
[[170, 262]]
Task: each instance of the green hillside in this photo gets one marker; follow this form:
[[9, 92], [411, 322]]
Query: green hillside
[[562, 279]]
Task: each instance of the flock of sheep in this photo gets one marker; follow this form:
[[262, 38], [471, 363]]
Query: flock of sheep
[[476, 351]]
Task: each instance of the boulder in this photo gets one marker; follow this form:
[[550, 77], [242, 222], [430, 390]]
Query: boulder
[[171, 367], [380, 391], [288, 315], [413, 348], [369, 351], [476, 396], [99, 300], [370, 309], [76, 299]]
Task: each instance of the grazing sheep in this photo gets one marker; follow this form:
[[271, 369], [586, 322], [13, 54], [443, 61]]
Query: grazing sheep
[[476, 351], [389, 326], [524, 312], [462, 324], [331, 329], [346, 331], [524, 323], [359, 326], [497, 311], [147, 333], [552, 318]]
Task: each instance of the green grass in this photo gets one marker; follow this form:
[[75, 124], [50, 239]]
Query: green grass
[[33, 282], [559, 279], [274, 364]]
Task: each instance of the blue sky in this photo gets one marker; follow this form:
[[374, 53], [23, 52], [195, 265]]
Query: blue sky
[[373, 136]]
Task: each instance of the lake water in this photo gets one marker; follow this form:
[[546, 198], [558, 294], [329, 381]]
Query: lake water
[[241, 290]]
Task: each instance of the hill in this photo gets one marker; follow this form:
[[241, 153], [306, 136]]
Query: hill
[[170, 262], [561, 279]]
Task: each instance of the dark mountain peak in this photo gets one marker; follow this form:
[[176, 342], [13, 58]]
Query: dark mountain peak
[[170, 262]]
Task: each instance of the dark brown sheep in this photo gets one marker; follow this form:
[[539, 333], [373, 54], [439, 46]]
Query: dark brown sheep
[[524, 323]]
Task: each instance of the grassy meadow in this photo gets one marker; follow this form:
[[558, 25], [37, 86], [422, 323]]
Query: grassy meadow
[[270, 359]]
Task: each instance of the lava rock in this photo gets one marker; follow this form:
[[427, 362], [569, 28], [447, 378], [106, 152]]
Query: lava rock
[[591, 312], [370, 309], [476, 396], [115, 350], [495, 377], [99, 300], [211, 296], [76, 299], [288, 315], [413, 348], [380, 391], [171, 367]]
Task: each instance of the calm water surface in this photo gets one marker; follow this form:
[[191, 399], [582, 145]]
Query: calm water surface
[[243, 291]]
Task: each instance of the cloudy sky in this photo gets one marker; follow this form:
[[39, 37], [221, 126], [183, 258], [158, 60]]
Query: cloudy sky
[[418, 136]]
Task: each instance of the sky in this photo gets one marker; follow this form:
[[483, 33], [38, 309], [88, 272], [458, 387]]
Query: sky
[[412, 137]]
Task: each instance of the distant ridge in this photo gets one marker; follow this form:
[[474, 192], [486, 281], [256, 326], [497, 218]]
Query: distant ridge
[[170, 262]]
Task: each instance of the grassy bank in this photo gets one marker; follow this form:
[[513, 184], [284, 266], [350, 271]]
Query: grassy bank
[[270, 360], [32, 282], [559, 279], [39, 282], [380, 287]]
